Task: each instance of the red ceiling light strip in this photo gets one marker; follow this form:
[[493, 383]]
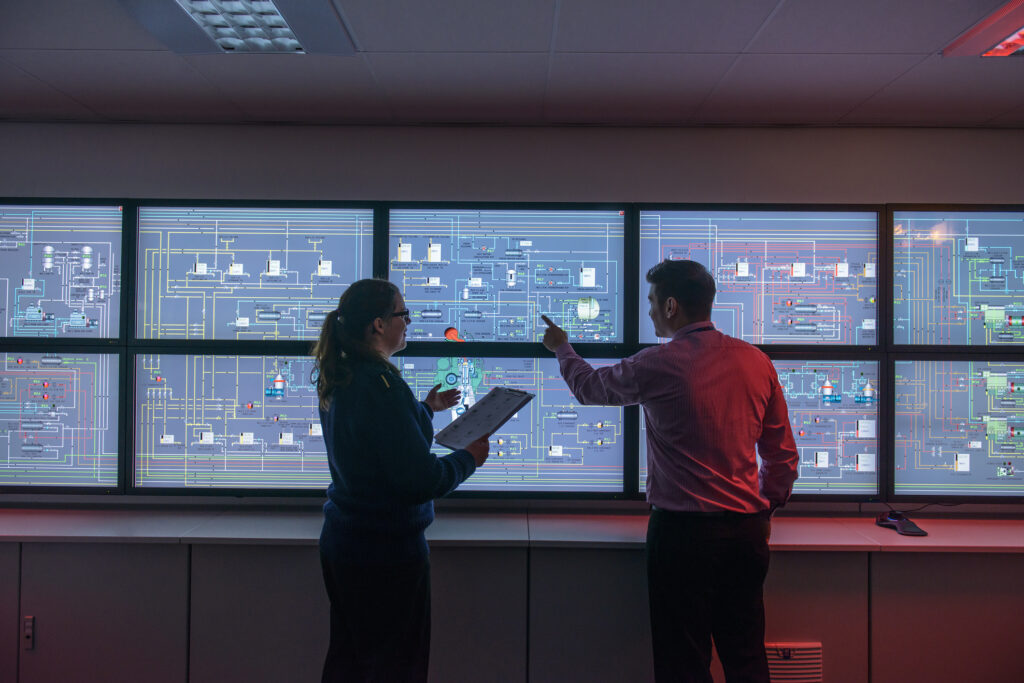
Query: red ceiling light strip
[[1006, 48], [985, 37]]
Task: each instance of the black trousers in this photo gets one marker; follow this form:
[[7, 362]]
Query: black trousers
[[705, 578], [380, 621]]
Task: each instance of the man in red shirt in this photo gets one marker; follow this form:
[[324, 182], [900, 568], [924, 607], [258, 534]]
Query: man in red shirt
[[708, 400]]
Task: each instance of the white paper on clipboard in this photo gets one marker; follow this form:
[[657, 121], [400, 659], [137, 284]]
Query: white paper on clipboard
[[483, 417]]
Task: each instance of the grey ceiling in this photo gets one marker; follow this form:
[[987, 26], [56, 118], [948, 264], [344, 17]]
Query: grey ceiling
[[532, 62]]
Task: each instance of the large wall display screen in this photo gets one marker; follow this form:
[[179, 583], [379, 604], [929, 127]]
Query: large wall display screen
[[58, 419], [232, 273], [60, 271], [833, 410], [220, 421], [552, 444], [959, 428], [958, 277], [782, 277], [489, 275]]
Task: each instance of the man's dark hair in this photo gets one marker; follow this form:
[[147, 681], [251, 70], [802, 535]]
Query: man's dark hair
[[688, 282]]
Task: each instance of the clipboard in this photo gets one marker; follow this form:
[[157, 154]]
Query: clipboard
[[485, 416]]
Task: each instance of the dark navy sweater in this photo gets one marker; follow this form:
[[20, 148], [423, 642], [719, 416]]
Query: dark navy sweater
[[383, 476]]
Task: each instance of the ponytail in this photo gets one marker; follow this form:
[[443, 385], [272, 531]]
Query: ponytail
[[343, 336]]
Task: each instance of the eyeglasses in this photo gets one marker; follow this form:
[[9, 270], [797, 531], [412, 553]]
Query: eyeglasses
[[404, 313]]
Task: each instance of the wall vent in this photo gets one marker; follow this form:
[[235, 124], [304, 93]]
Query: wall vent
[[794, 662]]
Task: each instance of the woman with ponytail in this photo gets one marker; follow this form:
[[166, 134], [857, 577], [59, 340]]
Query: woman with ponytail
[[384, 478]]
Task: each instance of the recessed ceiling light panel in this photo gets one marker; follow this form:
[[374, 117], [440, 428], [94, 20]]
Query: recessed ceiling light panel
[[997, 35], [1013, 45], [243, 25]]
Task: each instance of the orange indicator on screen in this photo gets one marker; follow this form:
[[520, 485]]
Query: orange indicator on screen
[[452, 334]]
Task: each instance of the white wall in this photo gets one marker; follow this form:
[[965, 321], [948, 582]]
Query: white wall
[[819, 165]]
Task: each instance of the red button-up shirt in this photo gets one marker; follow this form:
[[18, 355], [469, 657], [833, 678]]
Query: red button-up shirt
[[708, 400]]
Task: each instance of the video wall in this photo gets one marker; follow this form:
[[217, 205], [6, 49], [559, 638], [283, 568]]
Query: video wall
[[157, 347]]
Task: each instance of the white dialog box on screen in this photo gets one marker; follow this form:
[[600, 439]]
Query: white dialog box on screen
[[798, 269], [236, 269], [870, 270], [821, 460], [167, 439], [404, 252], [273, 267], [315, 429], [962, 462], [866, 429], [28, 283], [242, 322], [588, 277], [199, 268], [971, 244], [206, 438], [324, 268], [434, 252], [869, 323], [555, 451], [742, 269], [246, 438], [843, 269], [865, 462], [286, 439], [434, 281]]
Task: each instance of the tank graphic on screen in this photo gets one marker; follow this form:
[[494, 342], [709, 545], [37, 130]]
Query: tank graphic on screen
[[782, 277], [232, 273], [959, 428], [833, 411], [489, 275], [958, 278], [552, 444], [60, 271], [58, 419], [219, 421]]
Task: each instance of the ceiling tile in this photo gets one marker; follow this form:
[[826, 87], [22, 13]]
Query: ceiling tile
[[26, 97], [947, 91], [799, 89], [1014, 117], [133, 86], [292, 88], [461, 87], [450, 26], [869, 26], [659, 25], [644, 88], [71, 25]]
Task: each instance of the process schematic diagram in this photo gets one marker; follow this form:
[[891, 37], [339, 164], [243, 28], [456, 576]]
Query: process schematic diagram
[[958, 278], [833, 411], [229, 273], [489, 275], [225, 421], [60, 271], [552, 444], [58, 419], [781, 277], [959, 428]]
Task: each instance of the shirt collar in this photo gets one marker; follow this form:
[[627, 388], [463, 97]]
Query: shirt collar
[[693, 327]]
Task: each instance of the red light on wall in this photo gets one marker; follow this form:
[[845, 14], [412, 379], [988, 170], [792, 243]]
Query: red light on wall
[[987, 36]]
